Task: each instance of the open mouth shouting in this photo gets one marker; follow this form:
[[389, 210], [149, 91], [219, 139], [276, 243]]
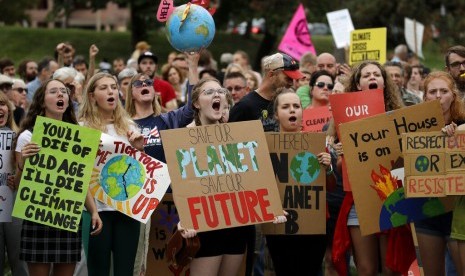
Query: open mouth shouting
[[373, 85], [61, 104], [216, 105], [145, 92]]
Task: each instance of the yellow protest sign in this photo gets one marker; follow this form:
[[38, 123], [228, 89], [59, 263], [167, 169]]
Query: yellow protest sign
[[368, 44]]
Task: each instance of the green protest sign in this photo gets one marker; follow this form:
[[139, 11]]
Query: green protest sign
[[54, 182]]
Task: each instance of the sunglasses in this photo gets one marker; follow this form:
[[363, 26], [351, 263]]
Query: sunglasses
[[21, 90], [321, 84], [220, 91], [139, 83]]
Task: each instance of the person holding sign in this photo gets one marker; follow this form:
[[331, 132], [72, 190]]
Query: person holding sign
[[10, 232], [296, 254], [434, 233], [43, 245], [221, 251], [143, 106], [367, 250], [102, 110]]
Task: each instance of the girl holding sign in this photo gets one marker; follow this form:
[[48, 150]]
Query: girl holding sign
[[221, 251], [102, 110], [434, 234], [42, 245], [296, 254], [143, 106], [367, 250], [10, 232]]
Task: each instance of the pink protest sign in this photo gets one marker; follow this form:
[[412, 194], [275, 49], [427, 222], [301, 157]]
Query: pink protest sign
[[297, 41], [165, 9]]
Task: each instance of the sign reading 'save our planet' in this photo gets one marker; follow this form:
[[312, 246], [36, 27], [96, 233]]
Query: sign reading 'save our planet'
[[221, 175]]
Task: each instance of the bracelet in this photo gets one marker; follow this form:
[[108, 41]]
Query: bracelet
[[330, 171]]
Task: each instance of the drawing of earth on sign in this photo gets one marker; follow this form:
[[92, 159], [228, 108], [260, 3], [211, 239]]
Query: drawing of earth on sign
[[122, 177], [305, 168], [398, 210]]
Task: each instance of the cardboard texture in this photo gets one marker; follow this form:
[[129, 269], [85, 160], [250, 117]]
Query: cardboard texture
[[353, 106], [301, 182], [372, 148], [434, 164], [6, 169], [221, 175]]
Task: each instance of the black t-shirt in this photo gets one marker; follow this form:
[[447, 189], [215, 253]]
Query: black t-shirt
[[18, 114], [150, 128], [254, 107]]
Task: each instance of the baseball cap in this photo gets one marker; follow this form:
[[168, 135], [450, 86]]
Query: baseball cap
[[147, 55], [5, 80], [280, 61]]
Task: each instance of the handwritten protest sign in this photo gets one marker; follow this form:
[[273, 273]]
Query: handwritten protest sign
[[128, 180], [372, 148], [413, 32], [163, 225], [368, 44], [349, 107], [341, 25], [54, 182], [314, 119], [434, 164], [6, 169], [301, 182], [222, 175], [297, 41]]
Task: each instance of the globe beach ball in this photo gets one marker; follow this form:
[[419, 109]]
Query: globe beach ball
[[196, 32]]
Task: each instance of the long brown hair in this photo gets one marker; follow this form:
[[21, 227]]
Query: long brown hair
[[457, 110], [37, 108], [392, 98], [130, 107]]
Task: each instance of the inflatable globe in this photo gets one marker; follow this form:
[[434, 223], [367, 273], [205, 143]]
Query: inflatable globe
[[197, 30]]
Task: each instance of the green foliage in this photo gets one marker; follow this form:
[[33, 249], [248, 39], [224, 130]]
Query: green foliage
[[13, 12]]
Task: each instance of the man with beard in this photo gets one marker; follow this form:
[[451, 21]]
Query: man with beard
[[27, 70], [147, 62], [455, 66]]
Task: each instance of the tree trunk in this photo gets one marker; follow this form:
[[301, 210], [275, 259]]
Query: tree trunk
[[265, 48], [138, 26]]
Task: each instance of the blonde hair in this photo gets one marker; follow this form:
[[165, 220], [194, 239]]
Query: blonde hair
[[457, 110], [10, 122], [131, 108], [89, 113]]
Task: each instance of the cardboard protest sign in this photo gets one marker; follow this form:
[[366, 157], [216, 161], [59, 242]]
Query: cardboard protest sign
[[301, 182], [349, 107], [341, 26], [368, 44], [128, 180], [297, 41], [163, 225], [413, 32], [434, 164], [6, 169], [372, 148], [222, 175], [54, 182], [314, 119]]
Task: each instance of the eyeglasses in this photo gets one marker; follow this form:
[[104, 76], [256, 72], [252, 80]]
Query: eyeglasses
[[457, 64], [221, 91], [139, 83], [321, 84], [235, 88], [21, 90], [54, 91]]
